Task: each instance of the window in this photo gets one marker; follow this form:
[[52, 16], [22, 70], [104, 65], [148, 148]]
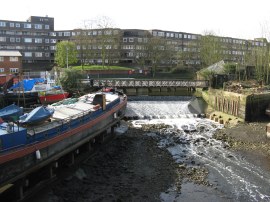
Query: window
[[108, 32], [11, 24], [28, 40], [18, 40], [14, 70], [2, 24], [27, 25], [131, 40], [38, 26], [52, 34], [18, 25], [60, 33], [10, 32], [124, 39], [161, 33], [13, 59], [2, 70], [19, 47], [66, 33], [47, 54], [1, 59], [52, 47], [12, 39], [53, 40], [47, 40], [27, 54], [47, 26], [38, 40], [2, 39], [38, 54]]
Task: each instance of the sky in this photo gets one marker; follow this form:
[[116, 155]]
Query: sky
[[245, 19]]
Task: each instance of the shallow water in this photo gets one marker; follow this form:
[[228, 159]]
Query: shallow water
[[190, 139]]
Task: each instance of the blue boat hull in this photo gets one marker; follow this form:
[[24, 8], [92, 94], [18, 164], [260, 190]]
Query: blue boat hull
[[54, 143]]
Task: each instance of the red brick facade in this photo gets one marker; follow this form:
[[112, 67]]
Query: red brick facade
[[10, 63]]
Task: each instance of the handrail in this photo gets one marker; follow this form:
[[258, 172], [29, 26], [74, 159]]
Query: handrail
[[145, 83]]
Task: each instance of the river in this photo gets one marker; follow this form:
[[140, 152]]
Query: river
[[235, 178], [189, 141]]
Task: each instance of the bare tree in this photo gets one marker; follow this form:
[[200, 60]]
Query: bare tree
[[98, 41], [210, 49]]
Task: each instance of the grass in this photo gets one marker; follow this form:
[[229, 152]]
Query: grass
[[100, 67]]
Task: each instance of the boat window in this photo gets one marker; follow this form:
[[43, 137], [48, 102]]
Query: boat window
[[0, 144]]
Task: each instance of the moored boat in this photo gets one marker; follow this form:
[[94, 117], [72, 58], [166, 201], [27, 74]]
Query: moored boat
[[36, 116], [10, 112], [25, 149], [49, 97], [35, 91]]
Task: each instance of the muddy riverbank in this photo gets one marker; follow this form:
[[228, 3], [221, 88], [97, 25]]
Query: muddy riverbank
[[134, 167], [250, 140]]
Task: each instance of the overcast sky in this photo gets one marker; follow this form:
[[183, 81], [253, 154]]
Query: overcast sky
[[247, 19]]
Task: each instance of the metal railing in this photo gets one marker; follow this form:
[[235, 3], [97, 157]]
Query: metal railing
[[145, 83]]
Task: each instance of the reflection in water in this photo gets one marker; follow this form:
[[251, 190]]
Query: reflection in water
[[241, 180]]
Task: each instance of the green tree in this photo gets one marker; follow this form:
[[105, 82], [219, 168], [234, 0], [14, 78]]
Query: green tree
[[69, 80], [66, 54]]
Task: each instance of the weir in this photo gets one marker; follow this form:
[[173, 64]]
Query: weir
[[189, 139]]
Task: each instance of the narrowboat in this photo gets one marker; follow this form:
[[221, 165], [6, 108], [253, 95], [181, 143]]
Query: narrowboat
[[27, 148]]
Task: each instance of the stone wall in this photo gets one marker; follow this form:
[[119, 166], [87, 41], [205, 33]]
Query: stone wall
[[247, 107]]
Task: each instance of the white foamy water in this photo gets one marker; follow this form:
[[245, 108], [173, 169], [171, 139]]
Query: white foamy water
[[190, 139]]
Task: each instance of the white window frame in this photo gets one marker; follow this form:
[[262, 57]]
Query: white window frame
[[66, 33], [28, 54], [38, 40], [38, 26], [2, 24], [28, 40], [13, 70], [38, 54], [2, 39], [2, 70], [13, 59], [27, 25]]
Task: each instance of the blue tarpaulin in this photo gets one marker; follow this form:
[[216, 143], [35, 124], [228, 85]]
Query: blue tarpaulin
[[28, 84]]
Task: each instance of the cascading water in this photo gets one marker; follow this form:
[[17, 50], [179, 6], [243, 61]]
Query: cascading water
[[191, 137]]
